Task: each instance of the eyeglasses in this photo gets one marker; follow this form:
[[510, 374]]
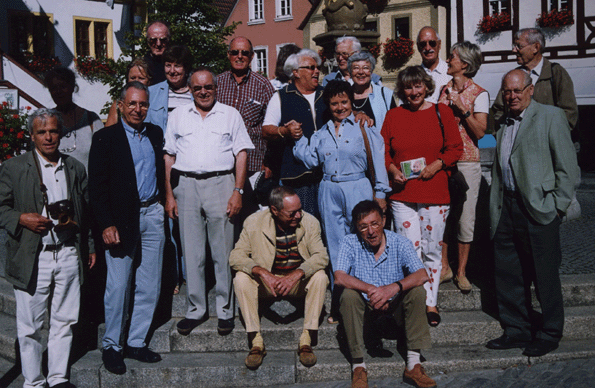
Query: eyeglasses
[[235, 53], [311, 67], [365, 69], [364, 228], [293, 214], [423, 43], [154, 41], [508, 92], [518, 47], [208, 88], [344, 54], [132, 105]]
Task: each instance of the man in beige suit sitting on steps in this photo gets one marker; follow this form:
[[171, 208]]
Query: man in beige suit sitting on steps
[[280, 254]]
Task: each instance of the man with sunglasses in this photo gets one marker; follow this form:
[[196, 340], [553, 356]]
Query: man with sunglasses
[[205, 169], [428, 44], [345, 47], [533, 179], [280, 254], [158, 39], [372, 267], [126, 183], [250, 93]]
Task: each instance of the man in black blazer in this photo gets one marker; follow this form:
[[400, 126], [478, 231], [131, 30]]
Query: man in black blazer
[[126, 177]]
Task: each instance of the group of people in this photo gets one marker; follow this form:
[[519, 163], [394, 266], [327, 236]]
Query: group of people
[[185, 151]]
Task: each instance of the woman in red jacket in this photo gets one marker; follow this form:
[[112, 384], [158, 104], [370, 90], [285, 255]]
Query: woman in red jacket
[[417, 154]]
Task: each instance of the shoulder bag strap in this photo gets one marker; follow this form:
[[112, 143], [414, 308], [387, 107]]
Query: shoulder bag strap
[[371, 171], [441, 126], [553, 86]]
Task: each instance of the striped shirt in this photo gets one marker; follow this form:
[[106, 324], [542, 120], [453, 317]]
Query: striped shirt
[[287, 257]]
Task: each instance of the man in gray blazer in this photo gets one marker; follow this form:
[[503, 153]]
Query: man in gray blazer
[[43, 203], [533, 183]]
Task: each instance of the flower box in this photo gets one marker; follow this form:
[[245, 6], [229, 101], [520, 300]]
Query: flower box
[[398, 49], [494, 23], [95, 69], [555, 19]]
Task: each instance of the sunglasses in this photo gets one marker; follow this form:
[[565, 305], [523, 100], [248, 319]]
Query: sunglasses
[[432, 43], [245, 53], [311, 67], [154, 41], [208, 88]]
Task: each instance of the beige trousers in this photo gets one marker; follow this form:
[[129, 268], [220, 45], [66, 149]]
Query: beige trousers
[[249, 290]]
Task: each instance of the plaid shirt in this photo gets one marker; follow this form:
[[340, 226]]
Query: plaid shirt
[[250, 98], [396, 262]]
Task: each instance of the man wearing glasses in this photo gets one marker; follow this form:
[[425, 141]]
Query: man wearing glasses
[[280, 254], [250, 93], [345, 47], [372, 267], [532, 185], [428, 44], [205, 169], [158, 38], [126, 178]]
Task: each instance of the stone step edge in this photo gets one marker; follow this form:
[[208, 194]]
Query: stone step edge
[[228, 369]]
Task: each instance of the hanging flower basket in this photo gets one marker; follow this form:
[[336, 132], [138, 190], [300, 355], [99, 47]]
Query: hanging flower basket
[[96, 69], [14, 136], [399, 49], [555, 19], [375, 50], [494, 23]]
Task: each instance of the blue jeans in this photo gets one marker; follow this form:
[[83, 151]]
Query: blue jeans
[[142, 265]]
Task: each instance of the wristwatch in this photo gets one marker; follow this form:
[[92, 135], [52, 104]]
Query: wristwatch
[[241, 191], [467, 114]]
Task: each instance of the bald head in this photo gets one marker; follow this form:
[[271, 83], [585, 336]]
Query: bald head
[[428, 44]]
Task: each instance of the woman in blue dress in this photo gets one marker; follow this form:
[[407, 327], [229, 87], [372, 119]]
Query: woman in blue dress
[[340, 149]]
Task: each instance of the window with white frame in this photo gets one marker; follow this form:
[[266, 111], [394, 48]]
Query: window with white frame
[[499, 6], [256, 11], [283, 10], [260, 60], [560, 5]]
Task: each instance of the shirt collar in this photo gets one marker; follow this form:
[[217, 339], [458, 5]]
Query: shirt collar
[[440, 69], [131, 130], [45, 163], [215, 109], [538, 68]]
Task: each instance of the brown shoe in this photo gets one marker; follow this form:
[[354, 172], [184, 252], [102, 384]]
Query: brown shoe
[[446, 276], [307, 356], [418, 377], [255, 357], [359, 378], [463, 284]]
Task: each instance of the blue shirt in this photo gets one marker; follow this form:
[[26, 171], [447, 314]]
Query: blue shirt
[[143, 157], [396, 262], [344, 154]]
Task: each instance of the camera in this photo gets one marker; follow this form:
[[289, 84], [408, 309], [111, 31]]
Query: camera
[[63, 211]]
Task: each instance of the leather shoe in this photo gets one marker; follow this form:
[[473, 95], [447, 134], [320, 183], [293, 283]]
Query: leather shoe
[[506, 342], [359, 378], [113, 361], [418, 377], [186, 325], [446, 276], [307, 356], [225, 326], [143, 354], [65, 384], [255, 357], [540, 347]]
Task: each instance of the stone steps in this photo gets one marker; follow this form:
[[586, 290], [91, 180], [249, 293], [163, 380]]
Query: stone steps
[[222, 369]]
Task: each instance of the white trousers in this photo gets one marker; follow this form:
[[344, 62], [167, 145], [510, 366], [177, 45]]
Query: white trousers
[[58, 273], [423, 224]]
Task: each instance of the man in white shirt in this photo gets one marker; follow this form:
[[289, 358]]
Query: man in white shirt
[[46, 245], [428, 44], [205, 170]]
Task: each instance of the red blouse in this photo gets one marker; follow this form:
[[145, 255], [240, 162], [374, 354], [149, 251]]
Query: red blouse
[[410, 135]]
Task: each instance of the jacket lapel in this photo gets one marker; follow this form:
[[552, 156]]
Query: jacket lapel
[[33, 173], [526, 123]]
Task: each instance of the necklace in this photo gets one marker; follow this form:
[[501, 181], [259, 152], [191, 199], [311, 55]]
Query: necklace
[[362, 105]]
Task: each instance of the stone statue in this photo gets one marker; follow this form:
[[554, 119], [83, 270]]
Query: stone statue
[[345, 14]]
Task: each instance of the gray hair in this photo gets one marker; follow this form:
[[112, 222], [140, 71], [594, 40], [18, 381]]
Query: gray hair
[[293, 61], [470, 54], [44, 114], [355, 44], [527, 80], [430, 27], [135, 85], [278, 194], [361, 56], [533, 35], [202, 68]]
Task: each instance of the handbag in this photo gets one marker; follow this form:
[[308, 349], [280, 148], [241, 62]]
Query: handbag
[[457, 185]]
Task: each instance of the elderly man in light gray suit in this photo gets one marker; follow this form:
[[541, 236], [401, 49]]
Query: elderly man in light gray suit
[[533, 183]]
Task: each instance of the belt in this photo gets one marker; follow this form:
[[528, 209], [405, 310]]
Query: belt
[[344, 178], [206, 175], [149, 202], [57, 247]]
